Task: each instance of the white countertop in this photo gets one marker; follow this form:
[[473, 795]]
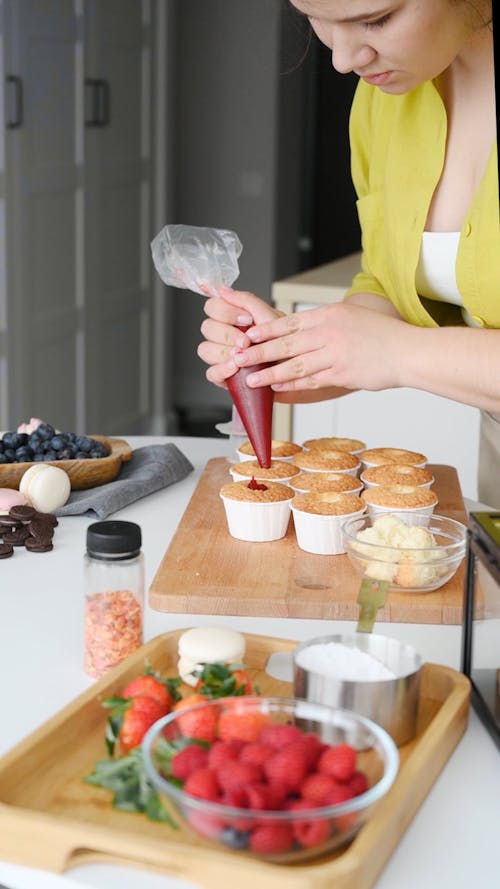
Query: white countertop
[[452, 841]]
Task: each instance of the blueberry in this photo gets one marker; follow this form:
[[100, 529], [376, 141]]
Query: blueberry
[[3, 458], [99, 450], [38, 457], [24, 454], [50, 455], [65, 454], [1, 446], [22, 438], [84, 443], [7, 439], [10, 455], [45, 431], [236, 839], [57, 443], [71, 436], [81, 455]]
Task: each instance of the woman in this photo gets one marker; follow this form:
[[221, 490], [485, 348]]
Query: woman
[[425, 310]]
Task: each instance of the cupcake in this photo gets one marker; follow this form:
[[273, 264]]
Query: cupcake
[[397, 474], [326, 481], [378, 456], [318, 519], [280, 450], [278, 471], [327, 461], [402, 501], [353, 445], [257, 511]]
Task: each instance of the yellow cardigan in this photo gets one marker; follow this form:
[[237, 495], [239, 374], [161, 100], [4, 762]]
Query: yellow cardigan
[[397, 155]]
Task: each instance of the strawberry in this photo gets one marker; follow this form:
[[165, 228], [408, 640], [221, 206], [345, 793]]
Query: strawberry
[[203, 784], [268, 839], [244, 725], [309, 832], [188, 760], [150, 685], [287, 767], [140, 715], [316, 787], [198, 723], [338, 761]]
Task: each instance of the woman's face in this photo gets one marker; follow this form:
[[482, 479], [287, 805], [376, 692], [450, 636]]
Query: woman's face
[[393, 44]]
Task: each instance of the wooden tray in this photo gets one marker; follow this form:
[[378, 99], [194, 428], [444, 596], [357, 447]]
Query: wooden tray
[[206, 571], [82, 473], [50, 818]]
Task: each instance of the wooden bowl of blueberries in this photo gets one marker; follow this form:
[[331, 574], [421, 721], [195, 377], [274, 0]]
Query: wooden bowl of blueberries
[[89, 460]]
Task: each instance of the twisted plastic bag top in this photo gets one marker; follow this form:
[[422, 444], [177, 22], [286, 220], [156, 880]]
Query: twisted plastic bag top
[[196, 258]]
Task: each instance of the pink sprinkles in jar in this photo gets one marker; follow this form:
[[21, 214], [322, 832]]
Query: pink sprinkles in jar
[[113, 629]]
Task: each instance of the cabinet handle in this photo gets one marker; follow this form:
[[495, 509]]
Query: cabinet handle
[[15, 102], [99, 92]]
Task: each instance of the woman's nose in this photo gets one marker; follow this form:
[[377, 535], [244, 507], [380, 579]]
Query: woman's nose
[[350, 56]]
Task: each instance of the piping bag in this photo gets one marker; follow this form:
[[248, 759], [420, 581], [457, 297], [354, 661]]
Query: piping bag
[[204, 259]]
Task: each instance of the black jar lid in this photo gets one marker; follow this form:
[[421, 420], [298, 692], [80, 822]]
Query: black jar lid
[[114, 540]]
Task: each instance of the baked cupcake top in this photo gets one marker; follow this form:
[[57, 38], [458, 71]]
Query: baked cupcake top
[[328, 503], [268, 492], [326, 481], [324, 460], [397, 473], [392, 455], [335, 443], [278, 469], [400, 496], [278, 448]]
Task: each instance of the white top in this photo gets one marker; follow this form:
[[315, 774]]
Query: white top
[[435, 277], [41, 637]]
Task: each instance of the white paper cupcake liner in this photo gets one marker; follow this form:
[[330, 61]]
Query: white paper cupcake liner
[[412, 516], [321, 534], [257, 522]]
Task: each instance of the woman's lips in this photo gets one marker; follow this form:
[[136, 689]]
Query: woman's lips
[[376, 79]]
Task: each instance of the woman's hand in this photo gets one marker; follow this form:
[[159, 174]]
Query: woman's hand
[[231, 310], [341, 346]]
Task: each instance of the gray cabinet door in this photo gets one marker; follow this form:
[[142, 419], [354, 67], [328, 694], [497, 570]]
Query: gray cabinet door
[[43, 182], [117, 214], [75, 344]]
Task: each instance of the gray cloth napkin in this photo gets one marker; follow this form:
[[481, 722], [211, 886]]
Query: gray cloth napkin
[[150, 468]]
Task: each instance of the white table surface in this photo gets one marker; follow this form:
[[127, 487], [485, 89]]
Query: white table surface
[[452, 841]]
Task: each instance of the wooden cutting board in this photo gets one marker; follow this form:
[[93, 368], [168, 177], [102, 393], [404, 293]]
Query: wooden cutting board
[[206, 571]]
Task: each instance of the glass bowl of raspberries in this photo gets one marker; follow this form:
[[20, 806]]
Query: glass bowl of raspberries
[[280, 779]]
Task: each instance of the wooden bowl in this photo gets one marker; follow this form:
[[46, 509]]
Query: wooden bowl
[[83, 474]]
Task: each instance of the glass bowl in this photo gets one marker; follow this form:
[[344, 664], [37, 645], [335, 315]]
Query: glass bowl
[[274, 811], [390, 549]]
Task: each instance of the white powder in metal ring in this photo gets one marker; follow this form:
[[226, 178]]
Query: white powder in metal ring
[[339, 661]]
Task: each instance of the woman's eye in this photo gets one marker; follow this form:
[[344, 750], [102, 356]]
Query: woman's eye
[[378, 23]]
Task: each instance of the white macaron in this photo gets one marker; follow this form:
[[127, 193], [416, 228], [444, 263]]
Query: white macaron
[[45, 487], [207, 645]]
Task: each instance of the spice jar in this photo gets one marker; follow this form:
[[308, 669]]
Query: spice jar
[[114, 594]]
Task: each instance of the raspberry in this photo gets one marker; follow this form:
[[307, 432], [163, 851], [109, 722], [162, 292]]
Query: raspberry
[[271, 838], [203, 783], [235, 774], [256, 753], [287, 767], [220, 753], [312, 748], [316, 787], [188, 760], [358, 783], [279, 735], [338, 761], [309, 832], [338, 794]]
